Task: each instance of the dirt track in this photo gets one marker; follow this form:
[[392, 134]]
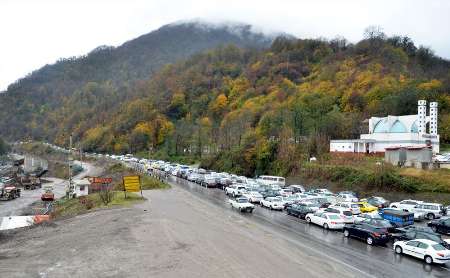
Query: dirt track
[[174, 234]]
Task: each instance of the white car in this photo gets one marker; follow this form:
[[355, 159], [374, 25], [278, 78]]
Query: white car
[[369, 215], [273, 203], [345, 214], [253, 196], [353, 207], [407, 205], [326, 220], [312, 205], [431, 210], [425, 249], [235, 190], [343, 197], [242, 204]]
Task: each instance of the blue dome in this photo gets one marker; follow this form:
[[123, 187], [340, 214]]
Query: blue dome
[[398, 127], [381, 127]]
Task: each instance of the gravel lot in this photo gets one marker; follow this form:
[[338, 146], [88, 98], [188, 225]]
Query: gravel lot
[[173, 234]]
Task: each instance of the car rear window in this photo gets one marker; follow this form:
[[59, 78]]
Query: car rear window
[[333, 216], [347, 213], [438, 247], [355, 206]]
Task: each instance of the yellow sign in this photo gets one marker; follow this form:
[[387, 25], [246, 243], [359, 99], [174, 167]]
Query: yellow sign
[[132, 183]]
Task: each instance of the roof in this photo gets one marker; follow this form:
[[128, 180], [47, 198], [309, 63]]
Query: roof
[[353, 141], [411, 148]]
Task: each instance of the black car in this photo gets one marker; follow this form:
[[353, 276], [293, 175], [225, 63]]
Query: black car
[[270, 193], [414, 232], [298, 210], [441, 226], [369, 233]]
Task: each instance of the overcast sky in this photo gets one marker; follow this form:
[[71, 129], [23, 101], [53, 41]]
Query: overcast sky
[[37, 32]]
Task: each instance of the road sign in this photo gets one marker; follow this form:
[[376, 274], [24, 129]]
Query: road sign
[[132, 183], [100, 180]]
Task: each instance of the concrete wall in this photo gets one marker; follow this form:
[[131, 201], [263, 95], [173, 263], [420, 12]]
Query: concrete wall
[[342, 147], [386, 140]]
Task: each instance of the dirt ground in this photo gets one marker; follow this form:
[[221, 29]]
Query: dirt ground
[[173, 234]]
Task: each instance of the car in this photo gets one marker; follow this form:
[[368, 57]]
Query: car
[[441, 226], [345, 197], [353, 207], [326, 220], [273, 203], [366, 207], [430, 210], [253, 196], [378, 202], [299, 210], [287, 201], [209, 181], [381, 223], [312, 205], [415, 232], [235, 190], [345, 214], [368, 215], [398, 218], [242, 204], [425, 249], [367, 231], [406, 205], [269, 180], [285, 192], [297, 188], [321, 191]]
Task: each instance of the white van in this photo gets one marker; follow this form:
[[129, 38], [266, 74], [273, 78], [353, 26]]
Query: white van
[[268, 180]]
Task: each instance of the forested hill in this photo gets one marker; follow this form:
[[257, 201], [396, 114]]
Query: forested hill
[[243, 109], [109, 72], [257, 111]]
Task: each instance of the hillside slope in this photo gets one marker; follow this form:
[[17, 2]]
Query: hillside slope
[[109, 72]]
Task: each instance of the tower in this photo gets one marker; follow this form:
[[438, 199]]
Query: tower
[[422, 116], [433, 118]]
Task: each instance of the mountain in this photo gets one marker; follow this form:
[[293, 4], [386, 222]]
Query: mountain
[[110, 72]]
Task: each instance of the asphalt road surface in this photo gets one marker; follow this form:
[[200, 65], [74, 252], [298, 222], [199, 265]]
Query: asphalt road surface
[[28, 197], [377, 261], [190, 231]]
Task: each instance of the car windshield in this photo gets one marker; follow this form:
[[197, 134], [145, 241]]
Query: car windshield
[[347, 213], [276, 199], [242, 200], [333, 216], [438, 247]]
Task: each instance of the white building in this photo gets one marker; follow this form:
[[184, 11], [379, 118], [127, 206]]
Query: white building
[[395, 131]]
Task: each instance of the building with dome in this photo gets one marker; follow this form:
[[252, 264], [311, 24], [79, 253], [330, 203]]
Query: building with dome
[[396, 131]]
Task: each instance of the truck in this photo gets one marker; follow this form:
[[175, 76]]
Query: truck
[[48, 195], [242, 204], [8, 192]]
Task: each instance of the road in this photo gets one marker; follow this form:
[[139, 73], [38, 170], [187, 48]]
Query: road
[[190, 231], [28, 197], [370, 260]]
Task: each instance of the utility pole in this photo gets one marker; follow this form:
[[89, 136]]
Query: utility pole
[[70, 191]]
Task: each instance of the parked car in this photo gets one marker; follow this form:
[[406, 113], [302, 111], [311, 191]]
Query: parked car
[[371, 234], [368, 215], [273, 203], [242, 204], [297, 188], [345, 197], [353, 207], [441, 226], [407, 205], [345, 214], [299, 210], [366, 207], [321, 191], [425, 249], [235, 190], [326, 220], [414, 232], [209, 181], [378, 202], [311, 205], [430, 210], [253, 196], [285, 192]]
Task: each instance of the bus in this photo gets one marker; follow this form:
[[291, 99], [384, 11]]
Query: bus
[[270, 180]]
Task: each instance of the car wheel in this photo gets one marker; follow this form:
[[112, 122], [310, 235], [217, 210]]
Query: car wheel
[[428, 259], [369, 241], [430, 216], [288, 212], [346, 233], [434, 228], [398, 250], [325, 226], [308, 219], [271, 208]]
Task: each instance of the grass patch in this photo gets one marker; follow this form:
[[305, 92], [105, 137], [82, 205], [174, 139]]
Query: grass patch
[[444, 148], [65, 208], [149, 183]]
